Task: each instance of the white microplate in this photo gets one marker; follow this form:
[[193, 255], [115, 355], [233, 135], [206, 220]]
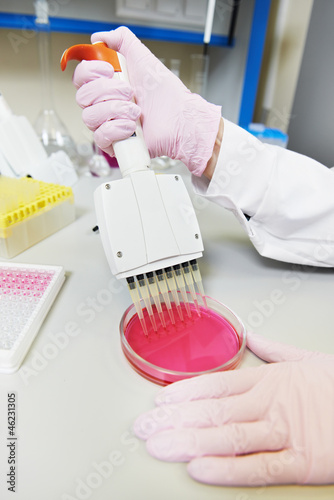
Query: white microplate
[[26, 295]]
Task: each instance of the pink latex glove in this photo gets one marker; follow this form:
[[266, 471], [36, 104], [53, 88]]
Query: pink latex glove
[[272, 424], [176, 123]]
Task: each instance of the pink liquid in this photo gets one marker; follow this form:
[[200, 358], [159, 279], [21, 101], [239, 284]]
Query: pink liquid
[[30, 282], [21, 291], [197, 344]]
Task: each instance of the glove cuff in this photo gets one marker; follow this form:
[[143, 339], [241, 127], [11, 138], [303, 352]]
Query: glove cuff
[[199, 132]]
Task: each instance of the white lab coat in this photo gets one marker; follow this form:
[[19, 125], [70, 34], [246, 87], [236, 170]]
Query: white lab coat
[[283, 200]]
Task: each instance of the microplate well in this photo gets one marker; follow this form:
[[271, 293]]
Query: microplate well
[[26, 295]]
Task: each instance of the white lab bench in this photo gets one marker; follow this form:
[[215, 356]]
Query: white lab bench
[[77, 396]]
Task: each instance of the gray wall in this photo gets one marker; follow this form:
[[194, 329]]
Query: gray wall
[[311, 130]]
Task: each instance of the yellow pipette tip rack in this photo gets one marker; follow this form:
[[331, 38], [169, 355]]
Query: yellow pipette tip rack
[[31, 210]]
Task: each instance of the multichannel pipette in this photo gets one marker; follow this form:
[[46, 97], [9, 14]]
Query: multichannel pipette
[[147, 223]]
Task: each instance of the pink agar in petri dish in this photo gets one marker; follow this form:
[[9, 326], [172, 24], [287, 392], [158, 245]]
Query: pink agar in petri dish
[[212, 341]]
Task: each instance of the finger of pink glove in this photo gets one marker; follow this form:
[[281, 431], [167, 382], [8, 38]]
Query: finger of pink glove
[[94, 116], [102, 90], [214, 385], [122, 39], [199, 414], [112, 131], [281, 467], [87, 71], [271, 351], [227, 440]]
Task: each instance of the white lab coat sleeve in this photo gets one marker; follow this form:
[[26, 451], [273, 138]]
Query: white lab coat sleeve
[[284, 200]]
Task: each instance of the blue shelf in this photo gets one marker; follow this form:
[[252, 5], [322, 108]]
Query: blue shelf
[[254, 61], [66, 25]]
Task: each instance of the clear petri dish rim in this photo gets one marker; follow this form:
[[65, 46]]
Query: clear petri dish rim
[[163, 376]]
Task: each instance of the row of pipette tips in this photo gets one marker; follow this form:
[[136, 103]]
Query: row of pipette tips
[[149, 288]]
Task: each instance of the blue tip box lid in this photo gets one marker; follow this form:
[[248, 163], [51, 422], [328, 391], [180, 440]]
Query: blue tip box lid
[[266, 134]]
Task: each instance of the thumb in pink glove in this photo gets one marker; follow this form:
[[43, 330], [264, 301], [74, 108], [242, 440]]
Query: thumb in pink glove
[[271, 424], [176, 123]]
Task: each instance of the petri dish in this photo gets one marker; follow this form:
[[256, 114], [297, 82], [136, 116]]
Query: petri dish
[[208, 340]]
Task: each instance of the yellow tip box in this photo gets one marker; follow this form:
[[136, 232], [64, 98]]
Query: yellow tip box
[[31, 210]]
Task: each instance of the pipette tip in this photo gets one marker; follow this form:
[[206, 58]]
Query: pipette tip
[[171, 315], [143, 325], [165, 289]]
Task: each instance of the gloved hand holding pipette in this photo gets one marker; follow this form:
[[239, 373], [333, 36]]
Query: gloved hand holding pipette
[[271, 424], [175, 122], [255, 426], [282, 199]]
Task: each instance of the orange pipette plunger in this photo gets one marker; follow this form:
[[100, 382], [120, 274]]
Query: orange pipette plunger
[[85, 51]]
